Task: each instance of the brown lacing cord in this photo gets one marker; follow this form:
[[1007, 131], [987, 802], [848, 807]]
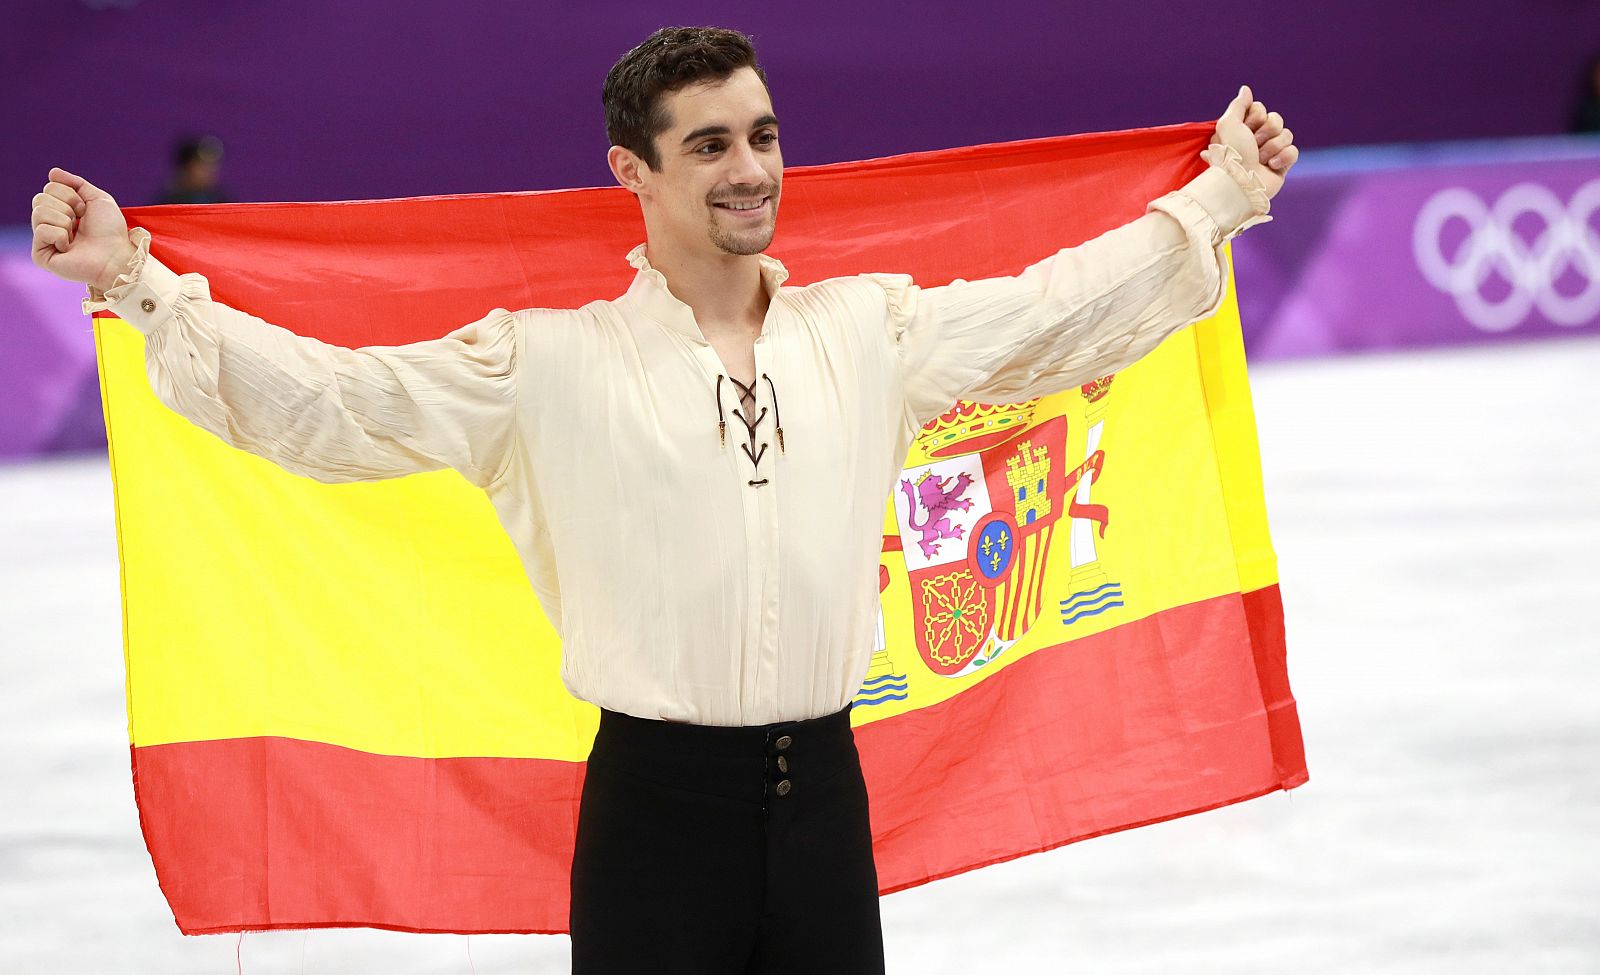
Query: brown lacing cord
[[749, 424], [776, 416], [722, 424], [744, 391]]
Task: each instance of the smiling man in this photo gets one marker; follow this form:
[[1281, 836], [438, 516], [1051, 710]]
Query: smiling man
[[695, 138], [714, 582]]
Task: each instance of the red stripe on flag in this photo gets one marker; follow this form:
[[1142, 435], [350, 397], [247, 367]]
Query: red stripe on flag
[[1135, 725], [255, 833], [485, 844], [386, 272]]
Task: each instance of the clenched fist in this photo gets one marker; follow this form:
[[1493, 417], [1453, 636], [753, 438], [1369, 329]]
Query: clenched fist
[[78, 231], [1267, 147]]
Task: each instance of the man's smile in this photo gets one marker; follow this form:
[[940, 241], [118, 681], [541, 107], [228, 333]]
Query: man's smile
[[745, 207]]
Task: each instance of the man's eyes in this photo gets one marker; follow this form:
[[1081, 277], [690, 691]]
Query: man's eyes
[[764, 139]]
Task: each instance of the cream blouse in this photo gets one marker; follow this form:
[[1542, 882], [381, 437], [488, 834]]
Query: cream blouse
[[706, 553]]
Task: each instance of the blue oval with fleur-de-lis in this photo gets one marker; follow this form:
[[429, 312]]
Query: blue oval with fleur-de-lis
[[992, 547]]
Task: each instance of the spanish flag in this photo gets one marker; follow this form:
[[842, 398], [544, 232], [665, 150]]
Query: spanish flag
[[322, 734]]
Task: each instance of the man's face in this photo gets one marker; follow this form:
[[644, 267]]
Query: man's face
[[201, 172], [721, 170]]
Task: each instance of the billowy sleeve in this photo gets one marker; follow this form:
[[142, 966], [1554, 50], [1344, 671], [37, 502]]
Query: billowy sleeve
[[327, 412], [1082, 312]]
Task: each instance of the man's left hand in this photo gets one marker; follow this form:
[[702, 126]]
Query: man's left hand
[[1260, 138]]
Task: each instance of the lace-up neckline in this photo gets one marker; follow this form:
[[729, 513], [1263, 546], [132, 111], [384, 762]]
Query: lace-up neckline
[[747, 402], [650, 294]]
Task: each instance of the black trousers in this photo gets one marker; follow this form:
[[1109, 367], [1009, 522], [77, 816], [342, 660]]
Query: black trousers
[[712, 850]]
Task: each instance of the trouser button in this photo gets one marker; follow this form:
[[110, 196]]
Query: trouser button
[[783, 787], [784, 742], [783, 763]]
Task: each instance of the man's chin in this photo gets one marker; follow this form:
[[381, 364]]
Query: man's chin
[[753, 241]]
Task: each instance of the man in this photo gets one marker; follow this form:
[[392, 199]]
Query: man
[[723, 823], [196, 167]]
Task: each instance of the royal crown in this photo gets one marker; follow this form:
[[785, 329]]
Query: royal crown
[[969, 427], [1096, 388]]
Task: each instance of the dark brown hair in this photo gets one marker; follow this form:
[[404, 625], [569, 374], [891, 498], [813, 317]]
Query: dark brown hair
[[667, 60]]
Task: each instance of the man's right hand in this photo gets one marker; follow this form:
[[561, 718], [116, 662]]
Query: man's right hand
[[78, 231]]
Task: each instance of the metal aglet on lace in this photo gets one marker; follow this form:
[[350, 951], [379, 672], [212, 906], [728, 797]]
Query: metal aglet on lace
[[722, 423], [750, 422], [776, 416]]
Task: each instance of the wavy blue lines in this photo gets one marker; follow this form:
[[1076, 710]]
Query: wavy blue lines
[[884, 700], [879, 690], [1091, 603], [1086, 596], [1075, 617]]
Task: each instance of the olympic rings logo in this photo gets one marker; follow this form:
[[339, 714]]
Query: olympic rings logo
[[1532, 270]]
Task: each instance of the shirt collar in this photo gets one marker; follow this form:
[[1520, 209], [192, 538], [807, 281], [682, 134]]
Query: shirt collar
[[650, 294]]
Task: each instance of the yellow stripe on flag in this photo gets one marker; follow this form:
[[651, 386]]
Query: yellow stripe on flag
[[324, 630]]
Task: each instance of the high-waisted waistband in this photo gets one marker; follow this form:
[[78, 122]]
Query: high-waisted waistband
[[737, 762]]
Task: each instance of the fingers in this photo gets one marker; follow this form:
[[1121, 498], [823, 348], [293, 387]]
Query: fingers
[[1239, 106], [53, 223], [48, 236], [1271, 125], [67, 195], [53, 216], [85, 189], [48, 201], [1276, 145]]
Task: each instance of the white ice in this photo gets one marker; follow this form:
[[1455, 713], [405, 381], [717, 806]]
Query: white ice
[[1437, 522]]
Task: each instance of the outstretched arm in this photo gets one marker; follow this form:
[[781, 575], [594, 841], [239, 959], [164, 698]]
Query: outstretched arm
[[1092, 309], [316, 409]]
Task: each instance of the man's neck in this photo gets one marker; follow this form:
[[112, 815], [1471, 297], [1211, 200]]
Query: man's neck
[[725, 291]]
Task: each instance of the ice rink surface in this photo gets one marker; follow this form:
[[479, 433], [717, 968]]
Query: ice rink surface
[[1437, 523]]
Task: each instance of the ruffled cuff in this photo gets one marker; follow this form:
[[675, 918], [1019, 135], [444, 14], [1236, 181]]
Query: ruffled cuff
[[133, 271], [145, 293], [1228, 198], [1227, 159]]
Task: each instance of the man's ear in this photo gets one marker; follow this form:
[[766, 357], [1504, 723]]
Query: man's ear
[[630, 171]]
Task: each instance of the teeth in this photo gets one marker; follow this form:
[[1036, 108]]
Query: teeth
[[744, 206]]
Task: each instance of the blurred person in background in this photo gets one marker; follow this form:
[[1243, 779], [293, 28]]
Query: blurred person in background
[[196, 165], [1587, 118]]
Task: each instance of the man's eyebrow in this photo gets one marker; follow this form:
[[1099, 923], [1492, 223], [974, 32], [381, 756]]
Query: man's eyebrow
[[706, 130]]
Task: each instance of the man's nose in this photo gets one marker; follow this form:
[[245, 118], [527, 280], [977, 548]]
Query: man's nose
[[747, 168]]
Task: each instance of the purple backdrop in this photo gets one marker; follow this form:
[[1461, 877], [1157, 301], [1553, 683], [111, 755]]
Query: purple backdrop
[[361, 99], [1407, 247]]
